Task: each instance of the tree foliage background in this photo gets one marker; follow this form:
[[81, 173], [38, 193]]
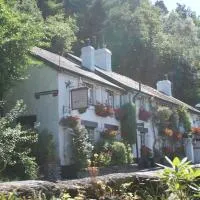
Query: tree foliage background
[[146, 39]]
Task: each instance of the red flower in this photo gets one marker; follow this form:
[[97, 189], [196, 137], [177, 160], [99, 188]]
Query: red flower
[[70, 121], [144, 115], [196, 130], [103, 110], [119, 113]]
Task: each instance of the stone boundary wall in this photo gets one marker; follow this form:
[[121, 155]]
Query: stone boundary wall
[[34, 187]]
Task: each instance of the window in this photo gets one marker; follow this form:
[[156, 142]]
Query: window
[[110, 98], [27, 121], [90, 93]]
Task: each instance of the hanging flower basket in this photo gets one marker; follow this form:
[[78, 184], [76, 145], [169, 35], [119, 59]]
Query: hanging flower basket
[[144, 115], [103, 110], [70, 121], [168, 132], [196, 130]]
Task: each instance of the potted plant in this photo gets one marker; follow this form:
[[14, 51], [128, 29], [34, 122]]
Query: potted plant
[[110, 111], [195, 130], [101, 110], [82, 110], [144, 115], [70, 121]]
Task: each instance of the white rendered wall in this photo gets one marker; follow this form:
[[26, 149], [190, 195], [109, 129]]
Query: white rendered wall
[[89, 115], [40, 78]]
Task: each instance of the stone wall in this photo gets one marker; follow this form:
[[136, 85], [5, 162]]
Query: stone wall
[[31, 188]]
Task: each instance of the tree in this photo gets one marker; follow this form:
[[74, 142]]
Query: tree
[[50, 7], [60, 33], [183, 56], [161, 5], [132, 33], [18, 34], [147, 44], [23, 27]]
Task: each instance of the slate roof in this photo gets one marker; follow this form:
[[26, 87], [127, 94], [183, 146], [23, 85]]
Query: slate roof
[[131, 84], [117, 79], [66, 64]]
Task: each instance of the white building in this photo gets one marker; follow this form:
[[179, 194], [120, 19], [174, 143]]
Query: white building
[[145, 96], [53, 90], [48, 95]]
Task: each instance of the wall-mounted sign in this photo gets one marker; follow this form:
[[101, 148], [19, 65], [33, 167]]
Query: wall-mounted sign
[[79, 98]]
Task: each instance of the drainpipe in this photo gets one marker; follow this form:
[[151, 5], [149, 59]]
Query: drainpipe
[[134, 99]]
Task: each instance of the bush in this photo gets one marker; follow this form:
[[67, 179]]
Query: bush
[[112, 152], [128, 123], [180, 179], [119, 153], [129, 153], [46, 149], [46, 156], [15, 147], [82, 147]]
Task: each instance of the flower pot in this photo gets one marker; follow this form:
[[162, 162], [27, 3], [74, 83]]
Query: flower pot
[[144, 115]]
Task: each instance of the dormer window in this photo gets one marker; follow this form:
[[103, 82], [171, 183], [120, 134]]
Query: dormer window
[[90, 93], [110, 98]]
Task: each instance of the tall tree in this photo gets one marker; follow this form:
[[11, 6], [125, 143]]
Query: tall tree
[[19, 32], [161, 5], [59, 27], [132, 32]]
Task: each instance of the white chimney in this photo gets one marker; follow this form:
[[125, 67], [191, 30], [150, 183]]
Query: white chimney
[[103, 59], [165, 87], [87, 56]]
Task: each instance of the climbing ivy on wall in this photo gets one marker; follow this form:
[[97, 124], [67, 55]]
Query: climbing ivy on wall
[[184, 119], [128, 123]]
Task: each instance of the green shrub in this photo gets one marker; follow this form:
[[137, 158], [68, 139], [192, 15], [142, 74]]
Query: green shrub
[[128, 123], [15, 147], [180, 178], [108, 152], [102, 159], [119, 153], [45, 152], [46, 149], [129, 153], [82, 147], [185, 119]]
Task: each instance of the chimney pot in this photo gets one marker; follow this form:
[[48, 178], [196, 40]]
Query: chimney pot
[[165, 86], [87, 56], [103, 59]]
